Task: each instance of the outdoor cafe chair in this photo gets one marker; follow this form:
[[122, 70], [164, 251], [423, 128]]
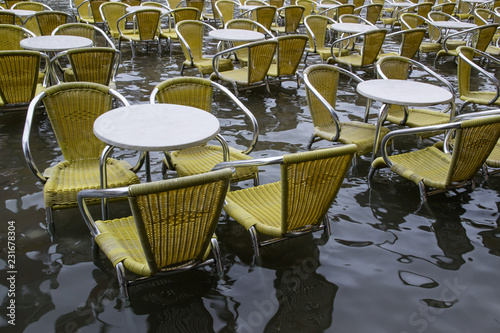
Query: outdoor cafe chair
[[20, 77], [147, 23], [317, 30], [171, 228], [408, 47], [191, 34], [298, 203], [11, 36], [174, 17], [370, 12], [72, 109], [49, 20], [445, 7], [322, 84], [401, 68], [432, 40], [93, 14], [254, 72], [288, 19], [111, 12], [288, 56], [309, 5], [225, 11], [468, 67], [89, 64], [434, 170], [198, 92]]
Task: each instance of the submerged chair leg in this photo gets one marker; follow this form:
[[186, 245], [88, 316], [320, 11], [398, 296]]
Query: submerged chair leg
[[120, 273], [216, 254], [326, 223], [423, 194], [49, 216], [255, 242]]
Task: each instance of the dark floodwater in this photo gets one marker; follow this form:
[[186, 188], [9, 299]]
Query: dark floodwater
[[388, 266]]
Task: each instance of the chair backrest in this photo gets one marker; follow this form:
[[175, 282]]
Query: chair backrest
[[372, 44], [446, 7], [19, 72], [440, 16], [410, 41], [7, 17], [178, 233], [94, 64], [174, 3], [10, 3], [31, 5], [11, 35], [412, 21], [481, 16], [73, 126], [148, 23], [94, 10], [277, 3], [370, 12], [49, 20], [84, 30], [289, 53], [198, 4], [394, 67], [292, 17], [482, 36], [424, 8], [310, 182], [244, 24], [191, 33], [264, 15], [111, 12], [225, 9], [472, 145], [190, 91], [310, 6], [260, 56], [185, 13], [316, 27]]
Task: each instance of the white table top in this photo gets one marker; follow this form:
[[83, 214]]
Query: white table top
[[327, 5], [55, 43], [476, 1], [403, 92], [21, 12], [247, 7], [236, 35], [399, 4], [131, 9], [352, 27], [453, 24], [156, 127]]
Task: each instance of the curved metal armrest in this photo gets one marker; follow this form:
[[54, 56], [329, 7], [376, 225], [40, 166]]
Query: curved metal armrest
[[411, 131], [338, 41], [53, 63], [215, 59], [462, 32], [249, 163], [103, 193], [186, 43], [124, 17], [248, 113]]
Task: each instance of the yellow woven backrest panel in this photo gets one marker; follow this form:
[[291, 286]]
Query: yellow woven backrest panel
[[30, 5], [372, 44], [94, 8], [317, 24], [72, 109], [411, 42], [10, 36], [424, 8], [226, 8], [192, 32], [412, 20], [395, 67], [49, 20], [94, 64], [310, 182], [10, 3], [7, 18], [112, 11], [198, 4], [344, 9], [77, 29], [290, 50], [464, 70], [325, 79], [260, 56], [186, 13], [277, 3], [18, 75], [190, 91], [373, 13], [265, 16], [293, 16], [473, 143], [177, 218], [148, 23], [484, 36]]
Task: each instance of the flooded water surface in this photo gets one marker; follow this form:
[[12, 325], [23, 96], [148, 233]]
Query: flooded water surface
[[389, 265]]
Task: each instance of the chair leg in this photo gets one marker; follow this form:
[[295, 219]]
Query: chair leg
[[326, 223], [255, 242], [120, 273], [216, 254], [423, 194], [182, 70]]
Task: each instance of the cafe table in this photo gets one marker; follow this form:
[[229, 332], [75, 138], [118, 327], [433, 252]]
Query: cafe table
[[54, 44], [352, 28], [235, 35], [154, 127], [131, 9], [23, 13], [446, 26], [400, 92]]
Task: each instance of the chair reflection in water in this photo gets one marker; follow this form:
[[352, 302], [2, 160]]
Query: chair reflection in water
[[171, 229], [295, 205]]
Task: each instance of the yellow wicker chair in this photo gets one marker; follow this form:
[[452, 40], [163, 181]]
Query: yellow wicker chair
[[309, 5], [400, 68], [171, 229], [445, 7], [225, 11], [198, 92], [7, 17], [265, 15], [432, 41], [316, 27], [484, 16], [289, 18], [410, 42], [147, 28], [10, 3], [19, 77], [177, 15], [11, 36], [337, 12], [478, 38], [90, 64], [463, 11], [89, 31], [254, 72], [298, 203], [31, 23], [422, 9], [465, 67], [370, 48], [370, 12], [49, 20], [322, 83], [431, 168], [191, 33], [288, 57], [111, 12], [72, 109], [246, 24]]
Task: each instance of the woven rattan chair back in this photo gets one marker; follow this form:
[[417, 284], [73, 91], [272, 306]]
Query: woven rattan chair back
[[148, 22], [111, 12], [11, 36], [260, 56], [410, 42], [19, 72], [370, 12], [49, 20], [316, 27], [265, 15], [372, 44], [225, 10], [290, 51], [189, 91], [31, 5], [192, 31], [292, 17], [198, 4], [93, 64], [10, 3], [7, 17]]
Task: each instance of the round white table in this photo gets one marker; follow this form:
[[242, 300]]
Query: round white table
[[131, 9], [401, 92], [55, 43], [154, 127], [453, 25], [352, 28], [236, 35], [21, 12]]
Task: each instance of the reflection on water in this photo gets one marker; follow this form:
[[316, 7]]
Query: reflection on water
[[389, 266]]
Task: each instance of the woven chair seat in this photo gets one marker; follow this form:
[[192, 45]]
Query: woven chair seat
[[238, 76], [355, 60], [204, 65], [430, 47], [494, 158], [325, 52], [66, 179], [202, 159], [479, 97], [418, 117]]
